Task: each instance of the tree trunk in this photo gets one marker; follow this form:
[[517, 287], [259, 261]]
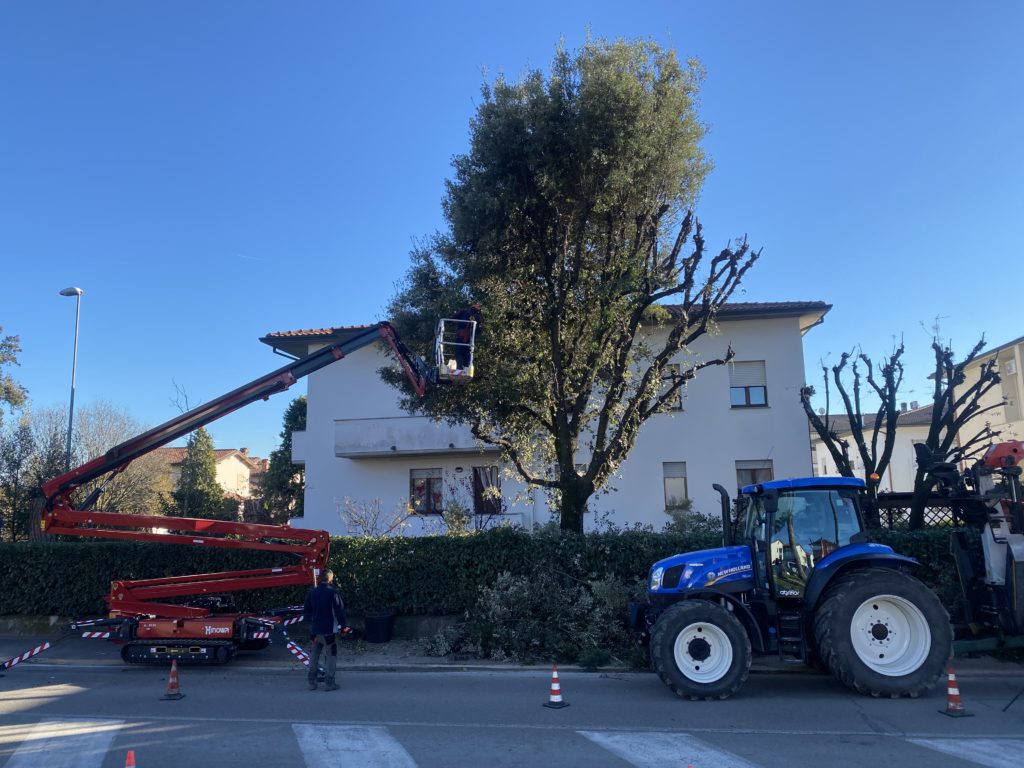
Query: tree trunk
[[871, 516], [571, 506], [922, 490]]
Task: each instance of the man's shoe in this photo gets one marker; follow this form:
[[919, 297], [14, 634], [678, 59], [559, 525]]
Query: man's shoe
[[331, 687], [312, 686]]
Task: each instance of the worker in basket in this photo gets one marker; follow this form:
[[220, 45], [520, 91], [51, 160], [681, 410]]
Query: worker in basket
[[464, 334]]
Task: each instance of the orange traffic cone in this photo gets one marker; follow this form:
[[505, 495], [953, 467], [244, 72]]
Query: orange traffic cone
[[129, 761], [555, 699], [173, 688], [954, 706]]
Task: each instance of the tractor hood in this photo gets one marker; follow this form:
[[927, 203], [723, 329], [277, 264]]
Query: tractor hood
[[704, 568]]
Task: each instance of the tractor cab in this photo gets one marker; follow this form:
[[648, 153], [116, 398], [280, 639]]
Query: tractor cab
[[454, 342], [793, 525]]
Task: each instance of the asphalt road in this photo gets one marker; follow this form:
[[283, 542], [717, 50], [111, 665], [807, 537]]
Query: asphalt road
[[77, 711]]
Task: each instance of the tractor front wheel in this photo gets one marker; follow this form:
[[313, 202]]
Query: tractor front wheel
[[700, 650], [883, 633]]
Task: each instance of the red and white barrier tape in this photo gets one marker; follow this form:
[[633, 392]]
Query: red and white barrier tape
[[25, 656], [96, 634], [297, 652]]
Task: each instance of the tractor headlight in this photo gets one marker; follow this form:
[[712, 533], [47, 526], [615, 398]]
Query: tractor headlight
[[656, 575]]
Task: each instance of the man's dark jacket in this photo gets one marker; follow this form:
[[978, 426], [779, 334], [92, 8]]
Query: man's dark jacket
[[323, 606]]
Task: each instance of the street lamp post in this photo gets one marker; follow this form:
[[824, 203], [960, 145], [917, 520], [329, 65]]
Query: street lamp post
[[77, 293]]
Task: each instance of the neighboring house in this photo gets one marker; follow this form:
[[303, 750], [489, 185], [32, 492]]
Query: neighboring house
[[736, 424], [912, 427], [1007, 417], [235, 469]]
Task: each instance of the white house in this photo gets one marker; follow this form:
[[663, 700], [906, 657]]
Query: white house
[[736, 424], [912, 427]]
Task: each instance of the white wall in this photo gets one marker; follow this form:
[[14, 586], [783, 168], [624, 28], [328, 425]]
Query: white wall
[[708, 435], [233, 475], [899, 476]]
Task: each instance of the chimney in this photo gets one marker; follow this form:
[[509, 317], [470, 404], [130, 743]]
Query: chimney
[[903, 407], [913, 405], [244, 451]]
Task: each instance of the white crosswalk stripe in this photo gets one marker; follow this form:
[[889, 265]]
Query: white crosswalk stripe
[[994, 753], [65, 744], [656, 750], [347, 745]]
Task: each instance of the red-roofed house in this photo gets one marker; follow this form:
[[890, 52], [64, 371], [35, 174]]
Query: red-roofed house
[[235, 468]]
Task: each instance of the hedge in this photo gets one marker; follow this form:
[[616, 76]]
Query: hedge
[[433, 575]]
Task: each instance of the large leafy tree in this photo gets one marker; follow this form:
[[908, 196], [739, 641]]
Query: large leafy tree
[[568, 219], [283, 484], [198, 494], [12, 394]]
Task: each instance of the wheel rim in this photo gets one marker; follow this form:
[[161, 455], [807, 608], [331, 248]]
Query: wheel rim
[[703, 652], [890, 635]]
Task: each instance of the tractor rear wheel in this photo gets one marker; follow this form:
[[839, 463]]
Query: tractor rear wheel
[[700, 650], [883, 633]]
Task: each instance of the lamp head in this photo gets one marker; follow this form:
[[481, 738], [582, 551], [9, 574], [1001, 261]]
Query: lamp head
[[72, 291]]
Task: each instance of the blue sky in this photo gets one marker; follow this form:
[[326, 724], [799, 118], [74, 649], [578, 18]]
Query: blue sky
[[212, 172]]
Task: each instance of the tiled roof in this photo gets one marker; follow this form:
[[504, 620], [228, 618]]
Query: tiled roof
[[177, 455], [762, 308], [734, 310], [915, 417], [313, 333]]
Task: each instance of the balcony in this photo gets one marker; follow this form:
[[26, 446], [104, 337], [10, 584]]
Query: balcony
[[401, 436]]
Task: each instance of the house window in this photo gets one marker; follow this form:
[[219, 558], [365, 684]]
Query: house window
[[670, 376], [674, 478], [748, 384], [486, 491], [425, 495], [755, 471]]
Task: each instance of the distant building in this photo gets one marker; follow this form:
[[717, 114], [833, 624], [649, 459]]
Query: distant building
[[237, 471], [1007, 417], [912, 427]]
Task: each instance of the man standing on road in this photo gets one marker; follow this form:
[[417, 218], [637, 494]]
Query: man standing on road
[[323, 607]]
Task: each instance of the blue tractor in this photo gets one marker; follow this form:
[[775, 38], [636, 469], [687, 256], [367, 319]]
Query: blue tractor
[[795, 577]]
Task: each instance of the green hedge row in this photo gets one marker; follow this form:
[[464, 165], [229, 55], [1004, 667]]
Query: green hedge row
[[432, 575], [423, 575]]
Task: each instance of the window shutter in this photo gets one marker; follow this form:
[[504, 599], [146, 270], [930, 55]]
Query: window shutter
[[673, 468], [748, 374], [753, 464]]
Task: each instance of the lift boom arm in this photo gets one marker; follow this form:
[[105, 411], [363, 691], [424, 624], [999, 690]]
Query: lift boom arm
[[312, 547]]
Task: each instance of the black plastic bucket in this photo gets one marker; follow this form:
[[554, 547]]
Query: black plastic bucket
[[378, 625]]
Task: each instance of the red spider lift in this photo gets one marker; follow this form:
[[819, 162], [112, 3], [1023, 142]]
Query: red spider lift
[[201, 627]]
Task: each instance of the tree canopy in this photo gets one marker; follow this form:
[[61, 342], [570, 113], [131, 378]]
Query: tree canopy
[[12, 394], [283, 484], [568, 220], [198, 494]]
